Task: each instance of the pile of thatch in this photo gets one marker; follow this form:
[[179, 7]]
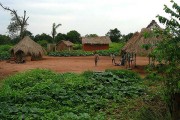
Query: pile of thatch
[[28, 47], [96, 40]]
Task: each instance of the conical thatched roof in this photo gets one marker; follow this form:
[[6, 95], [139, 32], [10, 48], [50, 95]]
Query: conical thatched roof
[[134, 45], [153, 24], [29, 47], [66, 42], [96, 40], [131, 41]]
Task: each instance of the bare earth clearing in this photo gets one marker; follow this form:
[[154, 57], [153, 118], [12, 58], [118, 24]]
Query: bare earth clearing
[[68, 64]]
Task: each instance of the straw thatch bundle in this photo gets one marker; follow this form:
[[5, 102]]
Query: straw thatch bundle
[[134, 45], [96, 40], [29, 48]]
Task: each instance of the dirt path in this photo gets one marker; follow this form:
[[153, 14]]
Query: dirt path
[[67, 64]]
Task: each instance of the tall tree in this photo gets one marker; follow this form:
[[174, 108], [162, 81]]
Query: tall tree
[[114, 35], [73, 36], [17, 23], [54, 27], [168, 53]]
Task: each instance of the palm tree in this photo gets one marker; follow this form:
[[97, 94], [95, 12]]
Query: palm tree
[[54, 27]]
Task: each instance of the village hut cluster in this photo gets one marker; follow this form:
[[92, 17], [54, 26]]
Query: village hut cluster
[[27, 49]]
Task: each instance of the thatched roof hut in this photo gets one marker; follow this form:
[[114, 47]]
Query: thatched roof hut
[[96, 43], [138, 40], [141, 43], [130, 43], [28, 48], [135, 44], [96, 40], [64, 45]]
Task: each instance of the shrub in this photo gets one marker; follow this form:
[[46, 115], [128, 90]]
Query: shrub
[[77, 47], [4, 55], [66, 53], [4, 52]]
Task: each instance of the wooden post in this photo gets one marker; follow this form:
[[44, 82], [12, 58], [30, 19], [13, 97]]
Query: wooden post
[[129, 61], [149, 60], [135, 60]]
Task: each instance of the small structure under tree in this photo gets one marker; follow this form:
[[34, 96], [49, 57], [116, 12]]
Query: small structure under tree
[[64, 45], [96, 43]]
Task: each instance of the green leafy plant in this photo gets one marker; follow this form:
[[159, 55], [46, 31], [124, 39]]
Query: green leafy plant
[[4, 52], [43, 94]]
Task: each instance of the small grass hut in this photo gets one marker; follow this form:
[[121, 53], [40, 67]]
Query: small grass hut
[[27, 50], [95, 43], [64, 45], [141, 44]]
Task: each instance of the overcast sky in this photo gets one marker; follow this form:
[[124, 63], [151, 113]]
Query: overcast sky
[[84, 16]]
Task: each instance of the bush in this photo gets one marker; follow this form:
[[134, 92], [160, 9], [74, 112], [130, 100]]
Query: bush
[[43, 43], [4, 48], [66, 53], [5, 55], [4, 52], [77, 47]]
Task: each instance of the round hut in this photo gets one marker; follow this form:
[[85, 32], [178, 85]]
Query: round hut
[[141, 43], [27, 50]]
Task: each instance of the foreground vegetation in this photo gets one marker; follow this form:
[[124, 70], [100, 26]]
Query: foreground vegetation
[[113, 94]]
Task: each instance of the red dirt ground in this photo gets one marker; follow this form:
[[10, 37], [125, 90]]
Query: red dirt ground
[[68, 64]]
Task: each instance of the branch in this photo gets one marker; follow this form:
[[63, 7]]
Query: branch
[[24, 18], [12, 11]]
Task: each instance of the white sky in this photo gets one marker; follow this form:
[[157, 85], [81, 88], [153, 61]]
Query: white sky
[[84, 16]]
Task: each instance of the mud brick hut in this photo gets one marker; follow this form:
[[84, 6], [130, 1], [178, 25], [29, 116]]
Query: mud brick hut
[[27, 50], [95, 43], [64, 45]]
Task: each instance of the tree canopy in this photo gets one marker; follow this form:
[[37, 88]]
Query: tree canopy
[[43, 36], [91, 35], [125, 38], [74, 36], [114, 35], [60, 36], [4, 39]]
